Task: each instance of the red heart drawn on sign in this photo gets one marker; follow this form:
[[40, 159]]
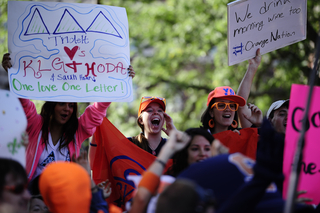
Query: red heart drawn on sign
[[71, 52]]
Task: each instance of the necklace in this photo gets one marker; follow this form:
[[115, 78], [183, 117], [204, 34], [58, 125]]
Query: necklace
[[153, 150]]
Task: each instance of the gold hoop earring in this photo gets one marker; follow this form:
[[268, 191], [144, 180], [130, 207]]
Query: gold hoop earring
[[211, 123], [234, 124]]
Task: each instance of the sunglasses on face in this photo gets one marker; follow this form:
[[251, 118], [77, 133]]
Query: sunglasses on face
[[16, 189], [222, 106]]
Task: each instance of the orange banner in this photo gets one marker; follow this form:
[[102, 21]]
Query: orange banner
[[115, 158]]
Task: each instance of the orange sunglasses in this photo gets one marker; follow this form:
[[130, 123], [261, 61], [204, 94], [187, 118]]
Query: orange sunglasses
[[222, 106]]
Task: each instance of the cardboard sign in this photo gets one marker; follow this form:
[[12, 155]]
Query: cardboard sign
[[268, 25], [69, 52], [13, 123], [310, 170]]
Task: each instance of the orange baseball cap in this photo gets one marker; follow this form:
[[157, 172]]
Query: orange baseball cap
[[65, 187], [225, 92], [146, 100]]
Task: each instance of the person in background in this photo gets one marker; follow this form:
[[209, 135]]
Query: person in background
[[241, 184], [196, 151], [178, 141], [66, 187], [13, 186], [185, 196], [278, 115], [37, 205]]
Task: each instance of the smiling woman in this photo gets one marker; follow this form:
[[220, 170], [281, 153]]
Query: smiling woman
[[151, 118], [221, 119], [221, 112], [56, 134], [197, 150]]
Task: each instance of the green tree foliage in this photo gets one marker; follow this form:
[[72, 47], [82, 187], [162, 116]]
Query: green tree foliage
[[3, 26], [179, 51]]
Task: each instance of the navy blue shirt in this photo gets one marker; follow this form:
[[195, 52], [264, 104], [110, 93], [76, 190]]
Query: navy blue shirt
[[231, 179]]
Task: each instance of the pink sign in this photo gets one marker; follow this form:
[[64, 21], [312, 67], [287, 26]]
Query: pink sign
[[310, 168]]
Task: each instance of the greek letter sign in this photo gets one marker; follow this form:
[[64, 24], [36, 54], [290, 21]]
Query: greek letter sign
[[310, 168], [267, 24], [69, 52]]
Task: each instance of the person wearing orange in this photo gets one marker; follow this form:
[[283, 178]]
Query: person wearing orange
[[152, 117], [221, 119]]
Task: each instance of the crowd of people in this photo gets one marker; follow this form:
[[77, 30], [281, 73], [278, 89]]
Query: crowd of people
[[218, 167]]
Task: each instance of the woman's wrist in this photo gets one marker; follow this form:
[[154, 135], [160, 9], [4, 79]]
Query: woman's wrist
[[163, 164]]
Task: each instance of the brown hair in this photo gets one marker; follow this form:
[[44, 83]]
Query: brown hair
[[180, 159], [69, 128]]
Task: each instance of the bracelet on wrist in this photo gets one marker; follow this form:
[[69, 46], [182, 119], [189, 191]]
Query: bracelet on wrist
[[161, 162]]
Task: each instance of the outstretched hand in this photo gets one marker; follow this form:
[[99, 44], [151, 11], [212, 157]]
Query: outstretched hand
[[82, 160], [169, 124], [177, 141], [131, 72], [106, 188], [256, 116], [6, 61], [255, 62]]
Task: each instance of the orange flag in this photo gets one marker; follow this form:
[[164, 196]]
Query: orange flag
[[115, 158], [245, 142]]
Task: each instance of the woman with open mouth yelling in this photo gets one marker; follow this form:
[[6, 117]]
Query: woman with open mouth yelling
[[151, 118]]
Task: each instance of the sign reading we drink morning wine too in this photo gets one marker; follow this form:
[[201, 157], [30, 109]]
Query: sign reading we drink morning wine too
[[264, 24], [69, 52]]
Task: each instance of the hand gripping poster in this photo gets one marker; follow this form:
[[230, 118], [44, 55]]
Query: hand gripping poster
[[69, 52]]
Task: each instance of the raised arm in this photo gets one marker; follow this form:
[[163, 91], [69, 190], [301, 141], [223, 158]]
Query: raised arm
[[151, 178], [267, 169], [244, 90]]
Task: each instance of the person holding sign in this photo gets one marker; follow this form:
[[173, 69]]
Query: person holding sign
[[151, 118], [251, 115], [220, 118], [57, 133]]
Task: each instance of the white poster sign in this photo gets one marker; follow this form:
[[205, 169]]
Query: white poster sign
[[13, 123], [268, 25], [69, 52]]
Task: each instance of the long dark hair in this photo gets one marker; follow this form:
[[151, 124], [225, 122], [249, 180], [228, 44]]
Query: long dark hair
[[206, 117], [180, 159], [68, 129]]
